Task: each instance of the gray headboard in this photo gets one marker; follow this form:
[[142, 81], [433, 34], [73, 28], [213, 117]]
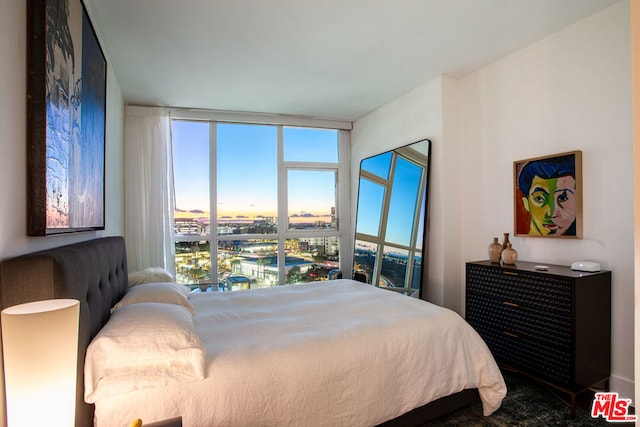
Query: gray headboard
[[93, 272]]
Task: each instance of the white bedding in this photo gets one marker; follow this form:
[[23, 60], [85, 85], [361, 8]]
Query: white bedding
[[336, 353]]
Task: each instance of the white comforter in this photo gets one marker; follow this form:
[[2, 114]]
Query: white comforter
[[338, 353]]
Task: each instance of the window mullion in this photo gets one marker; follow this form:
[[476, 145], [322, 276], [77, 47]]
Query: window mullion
[[213, 203], [308, 166], [343, 208], [383, 222], [282, 207]]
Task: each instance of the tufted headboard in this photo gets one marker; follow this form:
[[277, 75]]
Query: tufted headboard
[[93, 272]]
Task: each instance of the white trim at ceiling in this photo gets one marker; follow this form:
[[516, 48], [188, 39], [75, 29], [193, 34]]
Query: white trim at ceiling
[[254, 118]]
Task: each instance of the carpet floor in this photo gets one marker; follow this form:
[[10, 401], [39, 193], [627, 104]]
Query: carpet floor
[[527, 403]]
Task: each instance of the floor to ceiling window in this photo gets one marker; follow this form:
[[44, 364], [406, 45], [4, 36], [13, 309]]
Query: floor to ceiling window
[[257, 205]]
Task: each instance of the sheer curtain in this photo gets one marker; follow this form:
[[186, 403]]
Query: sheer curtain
[[148, 181]]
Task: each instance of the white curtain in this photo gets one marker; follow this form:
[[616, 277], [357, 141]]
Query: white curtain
[[148, 181]]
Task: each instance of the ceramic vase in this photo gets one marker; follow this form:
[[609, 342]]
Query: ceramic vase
[[495, 249], [509, 255], [505, 241]]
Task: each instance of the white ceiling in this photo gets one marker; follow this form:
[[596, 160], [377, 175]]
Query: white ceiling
[[322, 58]]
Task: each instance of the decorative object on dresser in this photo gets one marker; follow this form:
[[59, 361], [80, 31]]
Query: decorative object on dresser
[[495, 249], [505, 241], [589, 266], [509, 255], [551, 324]]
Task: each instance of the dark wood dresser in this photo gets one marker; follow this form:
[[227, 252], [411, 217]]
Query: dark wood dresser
[[554, 325]]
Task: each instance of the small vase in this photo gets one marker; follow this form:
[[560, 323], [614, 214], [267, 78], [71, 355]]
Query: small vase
[[509, 255], [495, 249], [505, 241]]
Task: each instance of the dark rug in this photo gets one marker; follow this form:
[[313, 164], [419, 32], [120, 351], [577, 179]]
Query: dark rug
[[528, 403]]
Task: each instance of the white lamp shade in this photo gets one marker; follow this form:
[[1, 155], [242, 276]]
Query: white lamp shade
[[40, 350]]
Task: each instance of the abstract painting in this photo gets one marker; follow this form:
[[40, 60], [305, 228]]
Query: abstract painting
[[66, 115], [548, 196]]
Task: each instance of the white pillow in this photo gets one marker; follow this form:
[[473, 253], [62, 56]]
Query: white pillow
[[165, 292], [150, 275], [142, 346]]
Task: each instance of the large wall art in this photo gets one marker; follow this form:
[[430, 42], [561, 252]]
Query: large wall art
[[66, 115]]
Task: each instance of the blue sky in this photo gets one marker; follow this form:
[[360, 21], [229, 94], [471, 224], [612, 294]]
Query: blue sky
[[247, 184], [404, 192], [404, 196], [191, 147]]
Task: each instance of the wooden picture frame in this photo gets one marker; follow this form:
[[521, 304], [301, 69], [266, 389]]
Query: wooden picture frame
[[548, 196], [66, 117]]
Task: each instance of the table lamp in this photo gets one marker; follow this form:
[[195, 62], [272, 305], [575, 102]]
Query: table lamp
[[40, 351]]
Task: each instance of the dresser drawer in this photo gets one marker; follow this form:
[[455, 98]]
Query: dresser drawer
[[549, 327], [538, 291], [550, 363]]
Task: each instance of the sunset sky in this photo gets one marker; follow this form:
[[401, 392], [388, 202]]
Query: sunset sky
[[247, 184]]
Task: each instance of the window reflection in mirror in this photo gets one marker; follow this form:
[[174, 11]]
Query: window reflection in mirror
[[390, 218], [370, 202]]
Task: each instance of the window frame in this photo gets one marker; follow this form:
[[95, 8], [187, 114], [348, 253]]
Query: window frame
[[342, 174]]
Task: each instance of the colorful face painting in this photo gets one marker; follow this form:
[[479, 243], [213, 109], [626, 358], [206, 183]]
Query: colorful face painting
[[547, 196]]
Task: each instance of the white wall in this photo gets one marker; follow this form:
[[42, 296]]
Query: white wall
[[635, 68], [570, 91], [416, 115], [13, 160]]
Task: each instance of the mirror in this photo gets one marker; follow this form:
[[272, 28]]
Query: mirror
[[390, 238]]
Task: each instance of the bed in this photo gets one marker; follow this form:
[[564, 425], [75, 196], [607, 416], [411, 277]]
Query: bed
[[327, 353]]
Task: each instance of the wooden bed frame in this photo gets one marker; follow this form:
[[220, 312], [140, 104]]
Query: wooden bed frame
[[95, 273]]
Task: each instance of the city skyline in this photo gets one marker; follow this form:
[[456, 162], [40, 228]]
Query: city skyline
[[197, 213]]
